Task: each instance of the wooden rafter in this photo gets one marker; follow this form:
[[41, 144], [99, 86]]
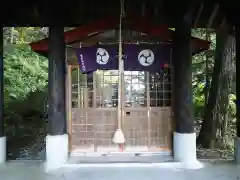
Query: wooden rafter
[[189, 14], [213, 15], [200, 9], [82, 12], [143, 9]]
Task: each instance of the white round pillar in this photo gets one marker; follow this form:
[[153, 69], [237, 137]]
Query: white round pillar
[[3, 152], [237, 150], [57, 151], [184, 150]]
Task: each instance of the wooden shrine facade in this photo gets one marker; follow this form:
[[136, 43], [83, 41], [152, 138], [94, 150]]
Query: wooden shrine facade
[[147, 122], [193, 14]]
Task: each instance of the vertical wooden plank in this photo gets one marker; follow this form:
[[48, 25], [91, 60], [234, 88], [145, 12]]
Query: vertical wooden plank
[[79, 99], [148, 108], [95, 105], [172, 122], [85, 96], [86, 107], [94, 90], [69, 105]]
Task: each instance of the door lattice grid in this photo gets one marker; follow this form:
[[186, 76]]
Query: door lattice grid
[[147, 108]]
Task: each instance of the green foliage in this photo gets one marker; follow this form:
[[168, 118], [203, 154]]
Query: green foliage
[[198, 99], [25, 71], [232, 105], [199, 73], [25, 76]]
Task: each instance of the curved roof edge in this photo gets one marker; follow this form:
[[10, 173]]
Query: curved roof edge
[[135, 23]]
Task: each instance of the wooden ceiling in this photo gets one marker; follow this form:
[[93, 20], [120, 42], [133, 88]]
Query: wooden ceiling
[[167, 12]]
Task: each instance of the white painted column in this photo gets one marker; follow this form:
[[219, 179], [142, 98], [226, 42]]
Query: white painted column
[[237, 150], [184, 149], [56, 151], [3, 150]]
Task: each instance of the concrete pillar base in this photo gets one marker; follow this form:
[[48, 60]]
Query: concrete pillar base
[[3, 152], [56, 152], [184, 150], [237, 150]]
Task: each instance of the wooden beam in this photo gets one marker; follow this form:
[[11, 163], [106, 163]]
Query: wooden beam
[[213, 15], [156, 11], [79, 33], [198, 15], [113, 40], [189, 15], [36, 12], [143, 25], [143, 10]]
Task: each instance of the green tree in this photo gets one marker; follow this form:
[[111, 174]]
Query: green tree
[[25, 71]]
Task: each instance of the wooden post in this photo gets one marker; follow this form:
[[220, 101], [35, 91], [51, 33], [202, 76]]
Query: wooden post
[[1, 86], [182, 79], [184, 141], [69, 105], [238, 94], [2, 133], [56, 82], [57, 138], [237, 141]]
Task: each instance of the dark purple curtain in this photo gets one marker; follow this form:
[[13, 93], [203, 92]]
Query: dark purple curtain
[[136, 57]]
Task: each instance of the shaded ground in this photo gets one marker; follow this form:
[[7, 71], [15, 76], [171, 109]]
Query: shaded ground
[[37, 151], [211, 171]]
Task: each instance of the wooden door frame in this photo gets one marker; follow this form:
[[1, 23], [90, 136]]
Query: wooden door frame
[[69, 105], [70, 67]]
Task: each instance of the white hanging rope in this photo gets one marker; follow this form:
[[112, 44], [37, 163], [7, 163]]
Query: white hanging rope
[[118, 136], [122, 14], [120, 66]]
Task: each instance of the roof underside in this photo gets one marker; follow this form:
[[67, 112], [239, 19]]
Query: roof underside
[[204, 13], [96, 32]]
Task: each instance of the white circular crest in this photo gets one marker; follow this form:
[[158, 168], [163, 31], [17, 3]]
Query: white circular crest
[[146, 57], [102, 56]]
